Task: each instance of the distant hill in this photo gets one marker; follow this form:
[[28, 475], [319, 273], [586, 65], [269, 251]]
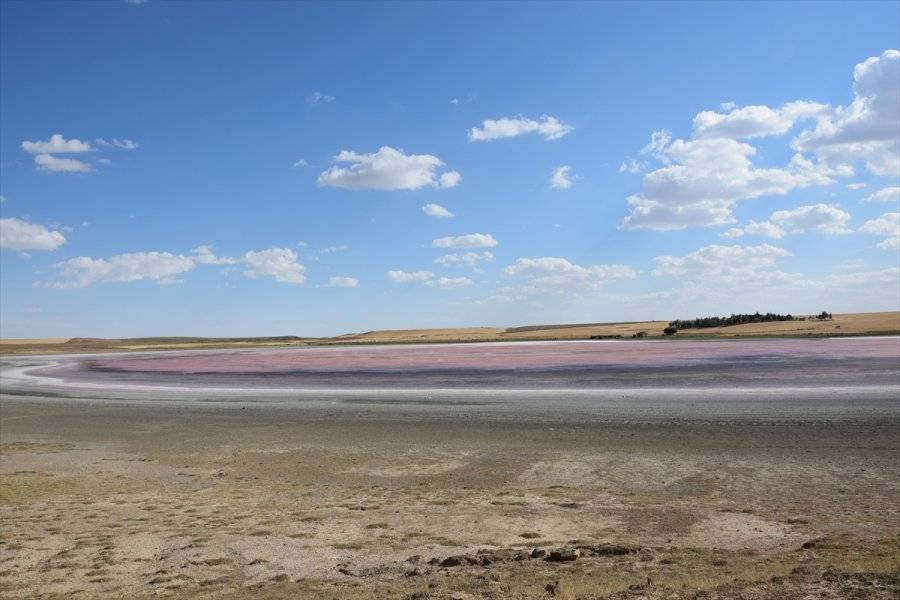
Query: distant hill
[[882, 323]]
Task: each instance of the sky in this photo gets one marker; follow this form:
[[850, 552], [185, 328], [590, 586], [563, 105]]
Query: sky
[[279, 168]]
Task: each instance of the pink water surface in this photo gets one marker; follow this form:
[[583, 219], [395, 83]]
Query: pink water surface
[[500, 356]]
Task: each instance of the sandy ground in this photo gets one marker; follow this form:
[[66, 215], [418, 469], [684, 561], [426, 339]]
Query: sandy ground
[[105, 499], [706, 492]]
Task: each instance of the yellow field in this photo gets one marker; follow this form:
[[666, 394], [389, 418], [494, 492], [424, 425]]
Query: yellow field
[[842, 324]]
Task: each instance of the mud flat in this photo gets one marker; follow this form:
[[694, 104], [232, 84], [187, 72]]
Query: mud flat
[[333, 476]]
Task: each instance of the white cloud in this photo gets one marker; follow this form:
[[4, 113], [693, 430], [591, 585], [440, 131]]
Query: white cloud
[[472, 240], [659, 141], [887, 226], [469, 259], [703, 180], [888, 194], [454, 101], [18, 234], [319, 98], [300, 163], [449, 179], [161, 267], [629, 165], [387, 169], [855, 186], [117, 143], [888, 276], [734, 232], [868, 129], [765, 229], [279, 263], [46, 162], [824, 218], [332, 249], [561, 178], [346, 282], [554, 273], [748, 265], [407, 276], [205, 256], [493, 129], [436, 210], [754, 121], [57, 144], [448, 283]]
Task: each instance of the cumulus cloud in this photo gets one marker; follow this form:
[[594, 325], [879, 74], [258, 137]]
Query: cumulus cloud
[[279, 263], [387, 169], [205, 256], [703, 180], [748, 265], [436, 210], [117, 143], [19, 234], [888, 194], [469, 259], [57, 144], [449, 283], [52, 164], [161, 267], [300, 163], [340, 281], [550, 272], [730, 234], [867, 129], [449, 179], [754, 121], [472, 240], [407, 276], [887, 226], [764, 229], [824, 218], [561, 178], [549, 127]]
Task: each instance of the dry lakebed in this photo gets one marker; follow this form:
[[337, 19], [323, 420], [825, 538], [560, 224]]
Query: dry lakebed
[[764, 468]]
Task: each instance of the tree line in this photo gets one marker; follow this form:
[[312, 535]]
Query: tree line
[[732, 320]]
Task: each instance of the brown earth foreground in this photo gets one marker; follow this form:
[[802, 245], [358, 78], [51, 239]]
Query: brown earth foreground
[[104, 499], [881, 323]]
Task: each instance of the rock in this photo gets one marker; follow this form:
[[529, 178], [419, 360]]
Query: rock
[[609, 549], [362, 572], [452, 561], [562, 555], [538, 553], [552, 587]]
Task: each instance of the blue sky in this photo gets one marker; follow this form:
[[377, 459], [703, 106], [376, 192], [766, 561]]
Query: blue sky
[[617, 161]]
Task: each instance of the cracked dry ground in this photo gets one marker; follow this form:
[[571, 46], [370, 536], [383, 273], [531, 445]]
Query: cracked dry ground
[[103, 500]]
